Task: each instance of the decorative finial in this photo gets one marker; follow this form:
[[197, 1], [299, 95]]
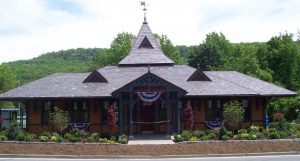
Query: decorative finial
[[143, 3]]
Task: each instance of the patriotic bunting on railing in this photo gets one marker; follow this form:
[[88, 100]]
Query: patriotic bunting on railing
[[79, 126], [213, 124]]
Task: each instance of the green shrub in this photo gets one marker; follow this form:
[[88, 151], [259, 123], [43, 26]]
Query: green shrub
[[243, 136], [111, 142], [3, 138], [276, 134], [113, 138], [253, 129], [178, 138], [252, 137], [186, 135], [90, 139], [21, 137], [194, 139], [29, 137], [45, 133], [67, 136], [211, 135], [59, 139], [122, 139], [206, 137], [103, 140], [241, 131], [198, 133], [74, 139], [13, 130], [3, 133], [44, 138], [298, 134], [225, 137], [229, 133], [95, 136]]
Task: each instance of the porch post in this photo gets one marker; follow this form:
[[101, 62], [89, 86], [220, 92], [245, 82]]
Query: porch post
[[167, 114], [177, 116], [130, 116], [121, 124]]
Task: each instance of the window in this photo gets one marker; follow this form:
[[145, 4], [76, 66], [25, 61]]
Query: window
[[214, 110], [104, 111], [79, 112], [245, 104], [46, 113]]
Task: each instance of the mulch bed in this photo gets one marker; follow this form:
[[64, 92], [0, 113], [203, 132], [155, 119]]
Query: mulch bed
[[152, 150]]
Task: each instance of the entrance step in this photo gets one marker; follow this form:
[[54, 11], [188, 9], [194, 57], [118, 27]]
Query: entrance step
[[150, 139]]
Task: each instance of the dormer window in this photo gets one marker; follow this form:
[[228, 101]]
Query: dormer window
[[146, 44], [95, 77]]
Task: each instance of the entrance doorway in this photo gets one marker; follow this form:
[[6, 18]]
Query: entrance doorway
[[148, 115]]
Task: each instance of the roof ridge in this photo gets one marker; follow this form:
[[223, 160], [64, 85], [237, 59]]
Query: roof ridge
[[234, 82]]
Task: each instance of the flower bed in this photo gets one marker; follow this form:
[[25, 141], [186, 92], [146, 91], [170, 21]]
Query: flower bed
[[275, 131], [15, 133]]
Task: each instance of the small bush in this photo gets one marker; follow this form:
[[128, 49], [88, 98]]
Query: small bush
[[178, 138], [241, 131], [194, 139], [252, 137], [113, 138], [21, 137], [53, 138], [103, 140], [13, 130], [122, 139], [90, 139], [3, 138], [44, 138], [253, 129], [45, 133], [74, 139], [186, 135], [225, 137], [198, 133], [243, 136], [67, 136], [95, 136]]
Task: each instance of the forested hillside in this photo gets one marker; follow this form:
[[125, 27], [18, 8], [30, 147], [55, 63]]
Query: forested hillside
[[73, 60]]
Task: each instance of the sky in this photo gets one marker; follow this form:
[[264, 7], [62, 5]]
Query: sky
[[29, 28]]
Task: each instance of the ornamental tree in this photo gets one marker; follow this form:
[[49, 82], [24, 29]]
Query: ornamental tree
[[233, 114], [188, 117], [111, 118], [59, 119]]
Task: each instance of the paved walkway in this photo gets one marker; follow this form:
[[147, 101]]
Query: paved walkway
[[150, 139]]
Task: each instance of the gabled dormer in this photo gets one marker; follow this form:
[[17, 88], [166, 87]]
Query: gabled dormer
[[95, 77], [198, 75]]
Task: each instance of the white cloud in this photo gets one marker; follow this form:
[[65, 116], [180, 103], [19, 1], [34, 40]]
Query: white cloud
[[32, 27]]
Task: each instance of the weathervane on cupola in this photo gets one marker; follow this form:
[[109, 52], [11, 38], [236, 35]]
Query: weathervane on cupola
[[143, 3]]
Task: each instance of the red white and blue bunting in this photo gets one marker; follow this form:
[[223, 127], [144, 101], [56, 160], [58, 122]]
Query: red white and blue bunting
[[213, 124], [79, 126], [149, 97]]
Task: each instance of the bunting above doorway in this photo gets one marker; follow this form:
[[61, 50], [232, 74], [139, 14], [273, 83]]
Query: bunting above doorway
[[149, 97]]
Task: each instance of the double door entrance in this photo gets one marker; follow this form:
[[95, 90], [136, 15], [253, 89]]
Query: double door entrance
[[149, 118]]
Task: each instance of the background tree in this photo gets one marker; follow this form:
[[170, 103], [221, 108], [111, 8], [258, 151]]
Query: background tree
[[119, 48], [282, 57], [111, 118], [188, 117], [59, 119], [210, 54], [233, 114], [170, 50], [7, 82]]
